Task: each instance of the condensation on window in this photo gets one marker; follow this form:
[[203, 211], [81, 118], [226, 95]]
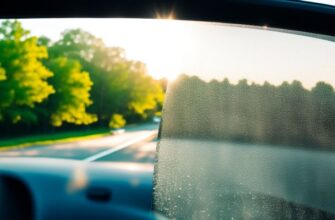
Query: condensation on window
[[253, 145]]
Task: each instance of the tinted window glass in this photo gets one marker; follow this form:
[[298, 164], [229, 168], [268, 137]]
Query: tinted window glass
[[250, 132]]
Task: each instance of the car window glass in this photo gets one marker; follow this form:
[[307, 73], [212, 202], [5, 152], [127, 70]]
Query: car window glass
[[249, 132]]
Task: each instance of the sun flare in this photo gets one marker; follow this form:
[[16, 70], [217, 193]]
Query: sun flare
[[165, 59]]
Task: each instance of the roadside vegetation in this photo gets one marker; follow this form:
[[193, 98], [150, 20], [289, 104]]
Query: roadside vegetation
[[72, 84], [59, 137], [287, 114]]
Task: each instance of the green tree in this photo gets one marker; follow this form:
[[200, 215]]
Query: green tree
[[120, 85], [23, 76], [117, 121], [72, 95], [2, 74], [323, 97], [145, 92], [287, 114]]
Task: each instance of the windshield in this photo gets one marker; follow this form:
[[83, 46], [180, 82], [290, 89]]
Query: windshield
[[246, 114]]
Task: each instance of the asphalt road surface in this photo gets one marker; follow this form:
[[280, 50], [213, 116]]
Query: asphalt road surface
[[136, 144]]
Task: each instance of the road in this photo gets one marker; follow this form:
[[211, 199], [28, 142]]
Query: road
[[136, 144]]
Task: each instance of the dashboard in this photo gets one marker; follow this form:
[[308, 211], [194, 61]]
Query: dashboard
[[42, 188]]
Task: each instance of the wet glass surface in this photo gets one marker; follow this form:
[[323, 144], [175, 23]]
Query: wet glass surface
[[255, 142]]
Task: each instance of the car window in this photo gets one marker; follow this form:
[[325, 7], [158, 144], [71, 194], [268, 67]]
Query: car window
[[248, 131]]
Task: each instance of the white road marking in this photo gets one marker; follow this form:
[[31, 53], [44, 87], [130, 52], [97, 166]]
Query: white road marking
[[119, 147]]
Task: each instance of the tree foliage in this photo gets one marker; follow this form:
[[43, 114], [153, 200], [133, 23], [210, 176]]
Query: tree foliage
[[23, 76], [117, 121], [72, 97], [76, 80], [286, 114], [120, 85]]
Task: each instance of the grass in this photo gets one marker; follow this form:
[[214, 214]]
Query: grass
[[59, 137]]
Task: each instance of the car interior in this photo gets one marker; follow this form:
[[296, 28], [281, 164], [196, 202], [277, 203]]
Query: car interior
[[247, 129]]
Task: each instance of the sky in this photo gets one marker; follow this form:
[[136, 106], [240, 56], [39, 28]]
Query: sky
[[208, 50], [327, 2]]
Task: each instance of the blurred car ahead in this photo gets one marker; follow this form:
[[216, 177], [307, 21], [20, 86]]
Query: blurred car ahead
[[117, 131], [156, 119]]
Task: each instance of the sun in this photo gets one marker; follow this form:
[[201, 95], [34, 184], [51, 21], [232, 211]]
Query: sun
[[171, 15], [162, 68], [165, 61]]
